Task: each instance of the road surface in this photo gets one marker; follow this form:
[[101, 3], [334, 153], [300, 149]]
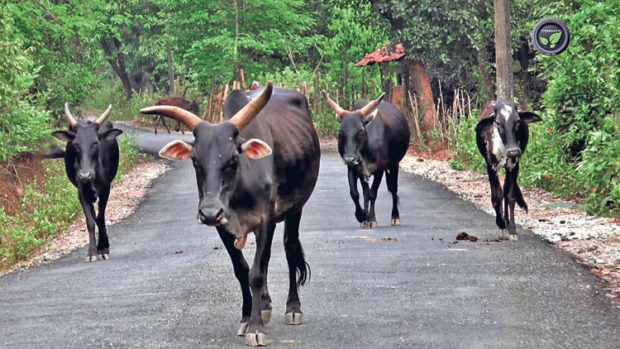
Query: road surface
[[169, 282]]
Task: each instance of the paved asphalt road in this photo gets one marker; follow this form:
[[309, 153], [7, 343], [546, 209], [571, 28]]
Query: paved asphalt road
[[169, 282]]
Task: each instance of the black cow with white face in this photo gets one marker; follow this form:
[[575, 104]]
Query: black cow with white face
[[372, 140], [502, 135], [255, 169], [91, 162]]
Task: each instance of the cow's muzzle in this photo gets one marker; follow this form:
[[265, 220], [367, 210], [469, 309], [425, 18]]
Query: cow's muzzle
[[513, 153], [86, 176], [350, 160], [212, 216]]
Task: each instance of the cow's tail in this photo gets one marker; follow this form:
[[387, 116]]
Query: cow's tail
[[295, 256]]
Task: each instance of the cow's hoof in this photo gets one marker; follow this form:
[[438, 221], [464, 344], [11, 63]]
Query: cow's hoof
[[513, 237], [265, 315], [370, 224], [256, 339], [90, 259], [243, 328], [503, 235], [293, 318], [103, 256], [396, 221]]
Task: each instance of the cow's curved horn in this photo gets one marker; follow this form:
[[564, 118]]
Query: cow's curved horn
[[70, 117], [371, 106], [243, 117], [104, 116], [338, 109], [181, 115]]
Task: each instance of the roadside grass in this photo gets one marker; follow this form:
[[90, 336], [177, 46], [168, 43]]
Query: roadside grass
[[48, 205]]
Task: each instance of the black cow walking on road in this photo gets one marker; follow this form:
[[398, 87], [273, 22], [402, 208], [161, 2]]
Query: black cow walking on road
[[372, 140], [502, 135], [91, 162], [255, 169]]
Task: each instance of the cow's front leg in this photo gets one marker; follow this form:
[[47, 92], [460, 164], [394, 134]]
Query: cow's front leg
[[240, 266], [360, 214], [371, 219], [258, 281], [510, 185], [497, 196], [89, 214], [103, 245]]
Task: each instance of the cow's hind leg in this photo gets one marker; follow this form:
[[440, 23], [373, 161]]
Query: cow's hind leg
[[103, 245], [298, 269], [497, 197], [86, 200], [241, 269], [391, 179], [258, 280], [371, 218]]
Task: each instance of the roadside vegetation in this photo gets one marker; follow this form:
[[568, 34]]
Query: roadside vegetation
[[130, 53]]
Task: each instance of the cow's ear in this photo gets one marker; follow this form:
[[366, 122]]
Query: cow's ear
[[529, 117], [110, 134], [64, 135], [484, 123], [371, 116], [255, 149], [177, 150]]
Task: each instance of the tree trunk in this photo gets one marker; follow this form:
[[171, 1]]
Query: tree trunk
[[112, 50], [422, 86], [503, 51]]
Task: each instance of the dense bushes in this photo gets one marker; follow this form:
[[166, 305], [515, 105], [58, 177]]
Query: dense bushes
[[23, 120]]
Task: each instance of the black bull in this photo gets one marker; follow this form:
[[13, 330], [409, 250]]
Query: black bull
[[91, 162], [255, 169], [372, 140], [502, 135]]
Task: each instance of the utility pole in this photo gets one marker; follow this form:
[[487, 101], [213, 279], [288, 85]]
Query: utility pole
[[503, 50]]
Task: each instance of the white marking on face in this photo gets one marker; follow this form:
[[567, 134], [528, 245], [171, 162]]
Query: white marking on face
[[506, 112], [499, 149]]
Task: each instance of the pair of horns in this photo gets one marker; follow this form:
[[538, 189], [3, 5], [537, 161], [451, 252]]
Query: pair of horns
[[190, 120], [73, 122], [364, 111]]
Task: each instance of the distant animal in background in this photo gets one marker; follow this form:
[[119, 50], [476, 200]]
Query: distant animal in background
[[193, 106], [181, 102], [91, 162], [502, 134], [372, 140]]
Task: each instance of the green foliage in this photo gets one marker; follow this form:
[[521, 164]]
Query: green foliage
[[467, 154], [55, 35], [112, 93], [22, 116], [599, 168], [47, 207], [582, 99]]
